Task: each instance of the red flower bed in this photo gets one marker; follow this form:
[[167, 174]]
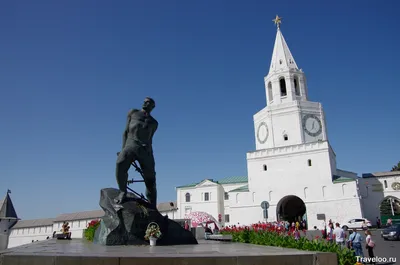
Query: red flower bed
[[275, 234], [263, 227]]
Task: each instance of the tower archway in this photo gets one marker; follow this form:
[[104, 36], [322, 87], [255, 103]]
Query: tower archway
[[389, 208], [291, 208]]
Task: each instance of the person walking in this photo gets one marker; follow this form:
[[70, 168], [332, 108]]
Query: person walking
[[369, 244], [355, 242], [330, 233], [339, 235]]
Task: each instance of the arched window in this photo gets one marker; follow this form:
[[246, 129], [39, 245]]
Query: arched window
[[323, 191], [385, 182], [296, 86], [270, 95], [265, 167], [309, 163], [187, 197], [282, 84], [285, 137], [344, 188]]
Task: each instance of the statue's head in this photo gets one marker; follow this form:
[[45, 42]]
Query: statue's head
[[149, 104]]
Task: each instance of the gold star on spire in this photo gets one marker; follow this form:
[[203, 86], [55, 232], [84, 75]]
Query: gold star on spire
[[277, 20]]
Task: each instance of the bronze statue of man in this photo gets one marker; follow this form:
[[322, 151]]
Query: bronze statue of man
[[137, 146]]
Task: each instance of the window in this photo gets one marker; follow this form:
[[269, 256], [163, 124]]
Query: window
[[206, 196], [226, 218], [344, 187], [385, 182], [285, 137], [309, 163], [323, 191], [270, 95], [282, 85], [305, 192], [187, 197], [226, 196], [265, 167], [188, 210], [296, 86]]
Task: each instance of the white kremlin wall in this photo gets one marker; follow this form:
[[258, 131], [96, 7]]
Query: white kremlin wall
[[26, 231]]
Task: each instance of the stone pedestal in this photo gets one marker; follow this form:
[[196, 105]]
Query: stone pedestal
[[126, 224]]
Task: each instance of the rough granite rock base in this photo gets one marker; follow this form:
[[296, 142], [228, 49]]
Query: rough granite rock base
[[126, 224]]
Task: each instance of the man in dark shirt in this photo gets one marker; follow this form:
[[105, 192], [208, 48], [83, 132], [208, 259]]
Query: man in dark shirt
[[137, 145]]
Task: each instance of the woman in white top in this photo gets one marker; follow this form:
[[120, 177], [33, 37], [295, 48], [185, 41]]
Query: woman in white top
[[369, 244]]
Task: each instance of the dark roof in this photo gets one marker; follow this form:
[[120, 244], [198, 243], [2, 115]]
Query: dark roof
[[34, 223], [7, 208], [381, 174], [228, 180], [346, 171]]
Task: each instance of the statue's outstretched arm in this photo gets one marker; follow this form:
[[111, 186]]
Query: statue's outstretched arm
[[125, 134]]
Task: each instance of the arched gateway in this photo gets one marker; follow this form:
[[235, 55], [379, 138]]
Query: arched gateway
[[389, 208], [291, 208]]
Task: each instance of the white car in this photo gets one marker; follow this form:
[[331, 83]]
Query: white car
[[356, 223]]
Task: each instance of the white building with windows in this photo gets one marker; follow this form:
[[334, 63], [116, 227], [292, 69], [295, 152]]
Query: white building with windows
[[16, 232], [293, 167], [209, 196]]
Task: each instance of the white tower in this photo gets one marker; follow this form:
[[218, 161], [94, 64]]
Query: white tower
[[293, 167], [289, 118], [8, 218]]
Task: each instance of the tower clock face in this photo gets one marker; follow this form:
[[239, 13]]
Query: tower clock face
[[262, 133], [312, 125], [396, 186]]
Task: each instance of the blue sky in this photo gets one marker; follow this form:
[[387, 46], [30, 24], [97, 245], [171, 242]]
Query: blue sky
[[70, 71]]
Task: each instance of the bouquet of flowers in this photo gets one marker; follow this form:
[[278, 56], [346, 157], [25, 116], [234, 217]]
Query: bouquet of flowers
[[153, 230], [91, 229]]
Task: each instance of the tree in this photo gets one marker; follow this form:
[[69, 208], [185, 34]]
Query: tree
[[396, 167], [386, 208]]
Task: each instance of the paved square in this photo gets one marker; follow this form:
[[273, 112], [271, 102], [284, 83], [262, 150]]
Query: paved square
[[76, 252]]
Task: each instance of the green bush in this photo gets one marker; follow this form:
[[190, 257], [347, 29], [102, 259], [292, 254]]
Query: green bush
[[271, 237], [91, 229]]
